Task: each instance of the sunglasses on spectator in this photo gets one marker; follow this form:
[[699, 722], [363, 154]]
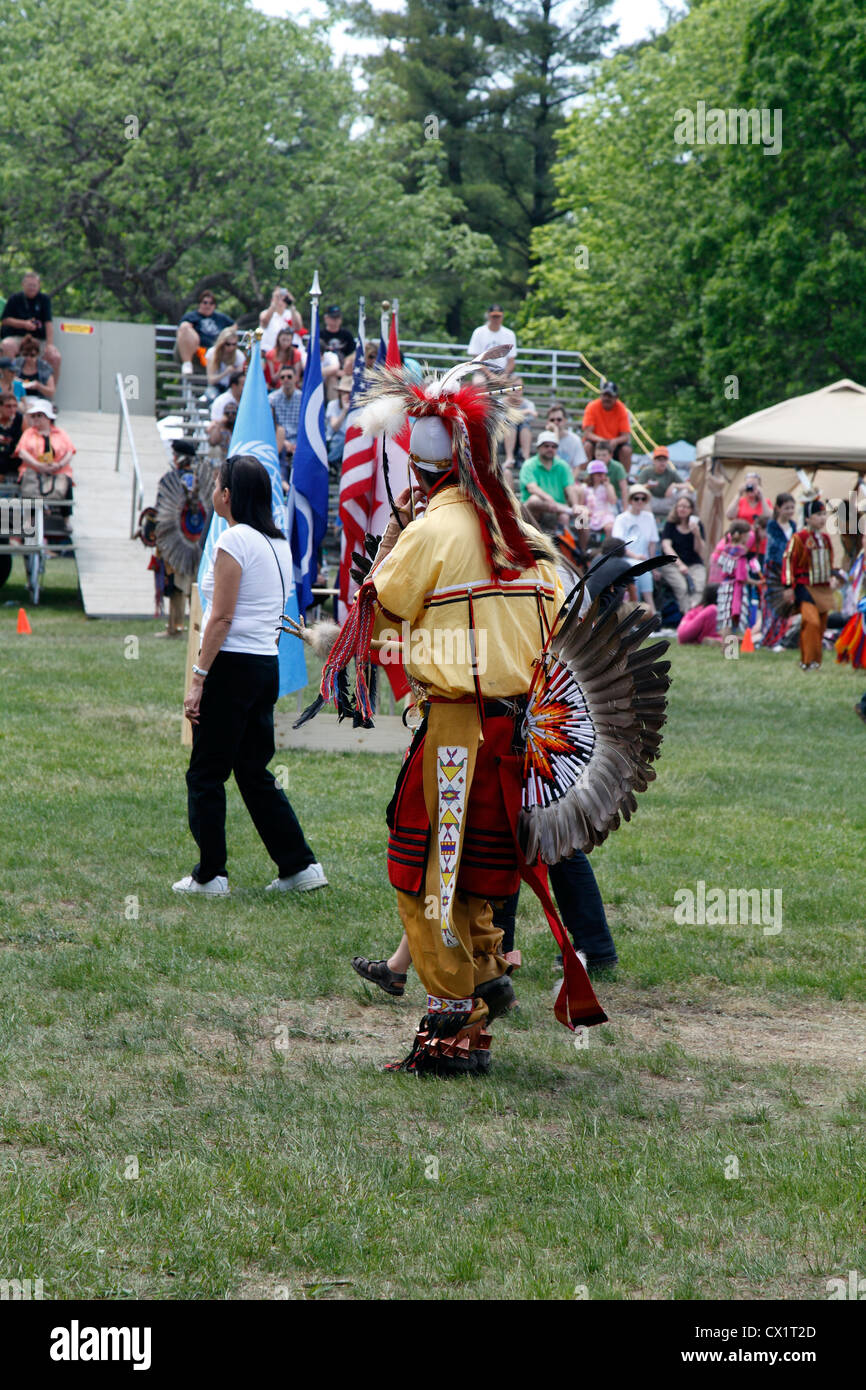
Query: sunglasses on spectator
[[639, 497], [555, 419]]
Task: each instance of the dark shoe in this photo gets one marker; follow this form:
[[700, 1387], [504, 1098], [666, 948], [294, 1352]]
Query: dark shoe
[[436, 1052], [378, 972], [497, 994], [860, 711]]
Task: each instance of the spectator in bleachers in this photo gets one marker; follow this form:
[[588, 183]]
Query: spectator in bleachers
[[11, 425], [570, 444], [286, 406], [285, 352], [45, 452], [493, 334], [334, 336], [636, 526], [221, 360], [281, 313], [599, 495], [198, 330], [335, 421], [219, 432], [338, 349], [34, 374], [30, 312], [234, 392], [547, 488], [519, 435], [661, 481], [683, 538], [371, 352], [607, 419]]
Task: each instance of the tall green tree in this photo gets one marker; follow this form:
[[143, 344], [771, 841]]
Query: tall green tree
[[713, 279], [784, 303], [486, 82], [148, 149]]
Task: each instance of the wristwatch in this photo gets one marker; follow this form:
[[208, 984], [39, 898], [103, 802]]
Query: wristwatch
[[197, 670]]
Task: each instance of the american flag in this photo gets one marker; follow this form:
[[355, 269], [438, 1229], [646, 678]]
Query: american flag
[[358, 477], [364, 505]]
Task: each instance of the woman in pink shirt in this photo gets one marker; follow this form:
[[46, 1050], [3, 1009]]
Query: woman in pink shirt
[[46, 454], [700, 623]]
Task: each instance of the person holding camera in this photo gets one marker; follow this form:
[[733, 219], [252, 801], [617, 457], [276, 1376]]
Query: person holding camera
[[683, 538], [280, 313], [749, 504]]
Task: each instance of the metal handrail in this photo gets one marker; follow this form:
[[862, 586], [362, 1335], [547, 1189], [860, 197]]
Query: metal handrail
[[137, 485]]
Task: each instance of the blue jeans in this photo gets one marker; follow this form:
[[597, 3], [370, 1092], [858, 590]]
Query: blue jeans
[[580, 907]]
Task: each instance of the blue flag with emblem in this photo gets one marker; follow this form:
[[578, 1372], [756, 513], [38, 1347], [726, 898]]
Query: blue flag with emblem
[[254, 434], [308, 494]]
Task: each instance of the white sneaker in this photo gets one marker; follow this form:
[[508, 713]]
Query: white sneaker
[[186, 369], [304, 882], [215, 887]]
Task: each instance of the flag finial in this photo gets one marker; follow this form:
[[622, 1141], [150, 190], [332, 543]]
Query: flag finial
[[315, 288]]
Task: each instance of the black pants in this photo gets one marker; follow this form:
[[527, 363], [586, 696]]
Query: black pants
[[235, 733], [580, 907]]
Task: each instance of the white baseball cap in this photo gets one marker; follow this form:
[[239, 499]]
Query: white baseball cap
[[546, 437], [31, 404]]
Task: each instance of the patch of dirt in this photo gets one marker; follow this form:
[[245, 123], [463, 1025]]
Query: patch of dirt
[[753, 1031]]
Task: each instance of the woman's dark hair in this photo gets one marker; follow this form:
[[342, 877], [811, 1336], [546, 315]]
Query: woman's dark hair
[[29, 346], [781, 499], [710, 595], [250, 488]]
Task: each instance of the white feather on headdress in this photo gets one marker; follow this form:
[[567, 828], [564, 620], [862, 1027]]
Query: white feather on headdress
[[383, 415]]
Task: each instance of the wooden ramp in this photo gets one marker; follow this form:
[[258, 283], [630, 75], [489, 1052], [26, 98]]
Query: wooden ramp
[[112, 569]]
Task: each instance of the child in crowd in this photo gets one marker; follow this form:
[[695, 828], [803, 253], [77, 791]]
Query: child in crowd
[[600, 497], [733, 568], [700, 624]]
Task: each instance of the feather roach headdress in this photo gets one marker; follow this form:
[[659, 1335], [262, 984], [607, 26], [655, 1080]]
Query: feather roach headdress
[[476, 419]]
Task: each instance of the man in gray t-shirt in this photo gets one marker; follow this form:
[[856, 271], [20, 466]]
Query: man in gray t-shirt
[[570, 445]]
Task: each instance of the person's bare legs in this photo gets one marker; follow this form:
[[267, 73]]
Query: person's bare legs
[[188, 342], [402, 957], [525, 438], [51, 355], [510, 445]]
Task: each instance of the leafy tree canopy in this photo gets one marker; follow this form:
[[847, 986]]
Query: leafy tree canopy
[[150, 148]]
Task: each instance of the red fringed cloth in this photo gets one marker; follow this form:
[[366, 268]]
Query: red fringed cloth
[[353, 642]]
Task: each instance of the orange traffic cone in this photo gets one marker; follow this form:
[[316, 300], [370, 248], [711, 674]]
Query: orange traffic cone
[[24, 623], [747, 644]]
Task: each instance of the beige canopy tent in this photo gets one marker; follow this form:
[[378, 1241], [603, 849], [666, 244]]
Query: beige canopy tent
[[821, 435]]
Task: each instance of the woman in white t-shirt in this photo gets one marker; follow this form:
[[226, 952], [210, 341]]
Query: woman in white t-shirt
[[235, 685], [637, 527]]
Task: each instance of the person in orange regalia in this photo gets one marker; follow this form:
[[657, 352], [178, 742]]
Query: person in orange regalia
[[807, 576]]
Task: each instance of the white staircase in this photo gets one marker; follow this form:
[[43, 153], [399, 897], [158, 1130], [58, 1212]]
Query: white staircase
[[112, 569]]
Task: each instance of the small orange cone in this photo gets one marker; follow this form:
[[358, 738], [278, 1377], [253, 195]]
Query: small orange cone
[[24, 623], [747, 644]]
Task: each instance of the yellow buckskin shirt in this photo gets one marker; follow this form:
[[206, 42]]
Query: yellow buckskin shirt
[[425, 582]]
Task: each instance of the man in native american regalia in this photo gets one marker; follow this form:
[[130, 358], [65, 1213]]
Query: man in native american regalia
[[809, 580], [471, 589]]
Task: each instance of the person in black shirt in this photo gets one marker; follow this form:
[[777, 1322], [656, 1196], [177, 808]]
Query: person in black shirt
[[683, 539], [30, 312], [10, 432], [334, 337], [199, 330]]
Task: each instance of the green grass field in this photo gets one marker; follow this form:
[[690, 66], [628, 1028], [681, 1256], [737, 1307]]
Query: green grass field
[[192, 1098]]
